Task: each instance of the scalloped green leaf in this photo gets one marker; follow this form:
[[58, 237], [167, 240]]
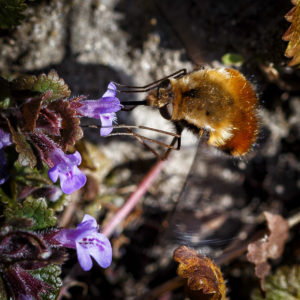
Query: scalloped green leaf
[[26, 155], [283, 285], [11, 13], [50, 275], [43, 83], [31, 177], [35, 210]]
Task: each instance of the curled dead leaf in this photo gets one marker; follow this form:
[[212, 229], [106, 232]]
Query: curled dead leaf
[[201, 273], [292, 35], [270, 246], [31, 110]]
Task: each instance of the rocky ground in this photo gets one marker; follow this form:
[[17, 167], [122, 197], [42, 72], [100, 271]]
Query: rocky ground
[[202, 198]]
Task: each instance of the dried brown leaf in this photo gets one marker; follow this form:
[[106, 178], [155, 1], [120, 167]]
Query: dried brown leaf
[[292, 35], [70, 131], [201, 273], [31, 110], [271, 246]]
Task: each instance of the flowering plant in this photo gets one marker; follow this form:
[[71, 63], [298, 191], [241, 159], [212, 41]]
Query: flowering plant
[[39, 128]]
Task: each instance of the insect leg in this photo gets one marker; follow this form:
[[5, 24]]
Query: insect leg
[[150, 86], [177, 139], [142, 139]]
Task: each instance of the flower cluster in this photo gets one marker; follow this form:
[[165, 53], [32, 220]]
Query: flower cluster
[[50, 127], [23, 251], [39, 127]]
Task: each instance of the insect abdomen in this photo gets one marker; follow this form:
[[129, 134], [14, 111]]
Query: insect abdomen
[[244, 121]]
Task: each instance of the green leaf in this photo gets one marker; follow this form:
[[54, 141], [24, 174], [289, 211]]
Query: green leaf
[[283, 285], [35, 210], [31, 177], [42, 84], [11, 13], [232, 59], [26, 154], [5, 199], [49, 274]]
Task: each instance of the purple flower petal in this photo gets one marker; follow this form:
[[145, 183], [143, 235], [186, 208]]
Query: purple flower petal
[[101, 250], [65, 167], [87, 219], [5, 139], [103, 109], [84, 258], [106, 123], [75, 158], [111, 91], [53, 173], [72, 181], [94, 108]]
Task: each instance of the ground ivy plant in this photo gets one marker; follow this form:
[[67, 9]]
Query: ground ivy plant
[[39, 125]]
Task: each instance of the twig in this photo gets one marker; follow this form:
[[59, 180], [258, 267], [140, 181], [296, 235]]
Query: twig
[[294, 219], [133, 199]]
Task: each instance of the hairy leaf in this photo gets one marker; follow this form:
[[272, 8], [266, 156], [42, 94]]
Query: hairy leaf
[[31, 110], [70, 131], [201, 273], [42, 84], [283, 285], [11, 13], [50, 275], [292, 35], [270, 246], [26, 155], [35, 210]]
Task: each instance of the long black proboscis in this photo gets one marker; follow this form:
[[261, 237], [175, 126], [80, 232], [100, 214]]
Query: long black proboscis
[[140, 102]]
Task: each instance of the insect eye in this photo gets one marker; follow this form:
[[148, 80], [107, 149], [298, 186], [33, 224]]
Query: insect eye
[[165, 85], [167, 111]]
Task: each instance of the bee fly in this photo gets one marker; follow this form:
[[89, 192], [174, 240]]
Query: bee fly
[[219, 102]]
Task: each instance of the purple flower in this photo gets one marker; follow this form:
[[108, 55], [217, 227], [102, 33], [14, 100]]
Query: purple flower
[[88, 242], [65, 167], [5, 139], [103, 109]]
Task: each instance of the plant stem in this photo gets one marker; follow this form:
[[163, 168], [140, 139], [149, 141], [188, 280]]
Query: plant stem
[[134, 198]]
